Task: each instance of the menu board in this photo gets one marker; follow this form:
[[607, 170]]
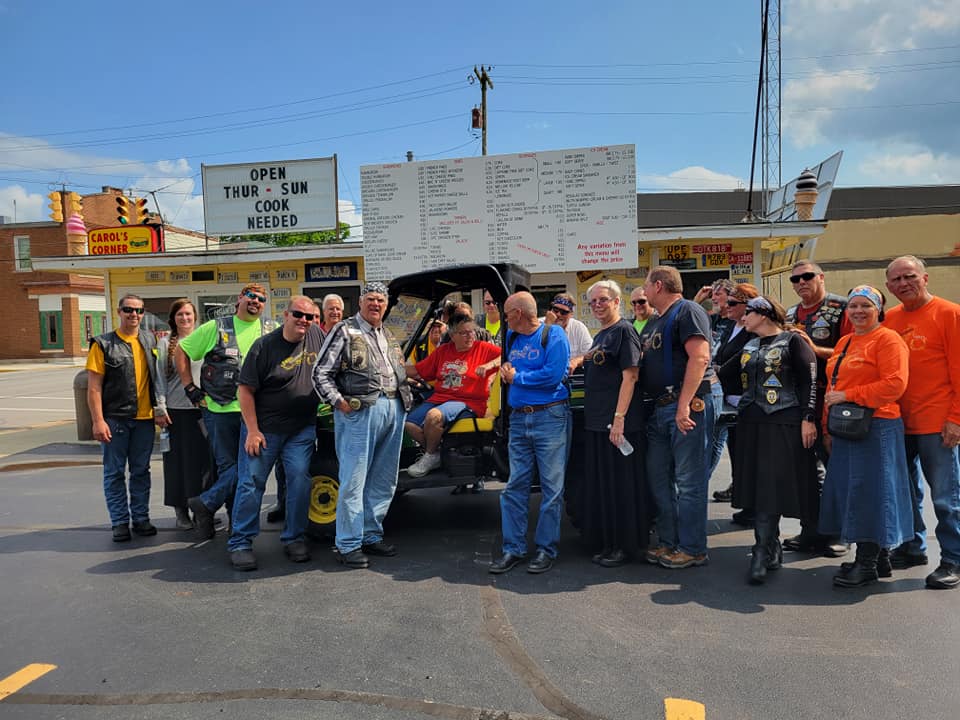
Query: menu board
[[553, 211]]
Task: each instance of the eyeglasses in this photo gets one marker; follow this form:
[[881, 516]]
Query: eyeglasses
[[127, 309], [300, 315], [255, 296], [600, 301], [806, 277], [734, 303], [466, 333], [561, 311], [489, 302], [641, 302]]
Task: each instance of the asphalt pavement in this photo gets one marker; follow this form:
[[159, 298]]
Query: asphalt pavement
[[163, 627]]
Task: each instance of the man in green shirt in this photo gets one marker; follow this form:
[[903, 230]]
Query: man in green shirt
[[642, 310], [221, 343]]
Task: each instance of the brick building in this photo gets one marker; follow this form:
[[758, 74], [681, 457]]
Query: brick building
[[53, 315]]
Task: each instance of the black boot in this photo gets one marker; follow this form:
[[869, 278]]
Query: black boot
[[884, 566], [864, 569], [758, 564]]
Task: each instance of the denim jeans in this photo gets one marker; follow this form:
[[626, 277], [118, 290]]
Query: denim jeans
[[131, 444], [368, 446], [294, 451], [224, 432], [677, 467], [719, 438], [537, 440], [928, 458]]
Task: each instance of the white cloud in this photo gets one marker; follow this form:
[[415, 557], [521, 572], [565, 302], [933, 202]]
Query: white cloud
[[21, 153], [20, 206], [920, 167], [849, 63], [690, 178]]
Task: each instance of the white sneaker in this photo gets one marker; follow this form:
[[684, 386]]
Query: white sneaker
[[428, 462]]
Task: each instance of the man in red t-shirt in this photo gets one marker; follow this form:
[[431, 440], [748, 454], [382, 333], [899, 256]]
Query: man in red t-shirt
[[460, 372]]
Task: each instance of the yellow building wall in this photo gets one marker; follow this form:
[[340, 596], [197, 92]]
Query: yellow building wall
[[856, 252]]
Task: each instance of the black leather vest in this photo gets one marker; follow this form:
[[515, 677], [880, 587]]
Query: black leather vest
[[220, 372], [359, 374], [766, 375], [823, 326], [119, 395]]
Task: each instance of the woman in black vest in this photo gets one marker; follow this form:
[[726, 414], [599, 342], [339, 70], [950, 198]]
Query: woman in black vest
[[775, 468]]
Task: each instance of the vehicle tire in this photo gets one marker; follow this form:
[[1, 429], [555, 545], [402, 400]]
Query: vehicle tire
[[324, 491]]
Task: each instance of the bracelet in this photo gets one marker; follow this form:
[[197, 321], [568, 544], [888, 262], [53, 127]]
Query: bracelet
[[619, 415]]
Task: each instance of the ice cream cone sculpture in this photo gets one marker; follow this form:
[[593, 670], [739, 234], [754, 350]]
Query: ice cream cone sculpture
[[806, 195], [76, 236]]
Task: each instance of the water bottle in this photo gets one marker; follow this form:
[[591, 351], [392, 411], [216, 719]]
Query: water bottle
[[165, 440], [624, 447]]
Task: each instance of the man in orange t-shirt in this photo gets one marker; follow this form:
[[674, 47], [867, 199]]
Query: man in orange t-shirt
[[931, 414]]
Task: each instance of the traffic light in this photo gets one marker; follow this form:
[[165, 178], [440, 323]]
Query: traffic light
[[123, 210], [74, 204], [140, 211], [56, 206]]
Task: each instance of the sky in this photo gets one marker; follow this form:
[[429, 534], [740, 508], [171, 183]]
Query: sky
[[140, 97]]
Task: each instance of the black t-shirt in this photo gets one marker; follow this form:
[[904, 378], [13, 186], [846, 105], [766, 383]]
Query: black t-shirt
[[614, 349], [688, 320], [280, 374]]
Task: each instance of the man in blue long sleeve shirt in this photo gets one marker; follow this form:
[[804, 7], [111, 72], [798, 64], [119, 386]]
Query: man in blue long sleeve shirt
[[536, 366]]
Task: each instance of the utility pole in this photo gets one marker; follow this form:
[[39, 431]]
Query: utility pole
[[485, 82]]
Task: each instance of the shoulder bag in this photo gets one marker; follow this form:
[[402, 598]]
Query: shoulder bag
[[847, 420]]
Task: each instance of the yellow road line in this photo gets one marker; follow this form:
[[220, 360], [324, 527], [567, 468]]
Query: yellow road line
[[678, 709], [21, 678]]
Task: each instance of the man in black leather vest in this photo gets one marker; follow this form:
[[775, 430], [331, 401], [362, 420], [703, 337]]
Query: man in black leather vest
[[821, 316], [121, 378]]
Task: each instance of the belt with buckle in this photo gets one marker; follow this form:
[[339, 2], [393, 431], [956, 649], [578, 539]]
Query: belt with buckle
[[391, 394], [666, 399], [527, 409]]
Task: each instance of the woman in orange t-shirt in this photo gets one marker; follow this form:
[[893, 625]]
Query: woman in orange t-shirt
[[866, 494]]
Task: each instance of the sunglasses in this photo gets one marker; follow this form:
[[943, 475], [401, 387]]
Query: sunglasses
[[127, 309], [749, 311], [254, 296], [806, 277], [561, 311], [300, 315], [641, 302], [489, 302], [734, 303]]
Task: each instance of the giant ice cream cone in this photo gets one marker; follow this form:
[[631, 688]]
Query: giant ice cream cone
[[76, 236], [806, 195]]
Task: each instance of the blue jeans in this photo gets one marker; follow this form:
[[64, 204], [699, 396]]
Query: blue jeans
[[224, 432], [719, 429], [677, 467], [928, 458], [368, 447], [537, 440], [294, 451], [131, 444]]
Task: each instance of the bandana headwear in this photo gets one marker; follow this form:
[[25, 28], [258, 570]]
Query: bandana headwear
[[871, 294], [567, 303], [761, 306], [375, 287]]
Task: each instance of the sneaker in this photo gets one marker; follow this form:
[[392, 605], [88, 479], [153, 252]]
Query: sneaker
[[945, 577], [428, 462], [653, 555], [678, 559]]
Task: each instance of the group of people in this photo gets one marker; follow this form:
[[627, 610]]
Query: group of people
[[655, 388]]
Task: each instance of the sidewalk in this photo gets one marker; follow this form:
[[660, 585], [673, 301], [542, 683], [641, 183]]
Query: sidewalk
[[46, 446]]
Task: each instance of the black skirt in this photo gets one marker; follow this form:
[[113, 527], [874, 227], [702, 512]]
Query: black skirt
[[613, 494], [773, 472], [186, 467]]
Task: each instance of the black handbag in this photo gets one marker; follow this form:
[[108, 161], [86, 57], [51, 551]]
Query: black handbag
[[848, 420]]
